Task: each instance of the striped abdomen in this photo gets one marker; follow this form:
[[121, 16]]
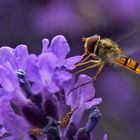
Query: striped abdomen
[[129, 63]]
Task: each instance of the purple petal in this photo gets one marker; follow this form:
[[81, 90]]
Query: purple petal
[[6, 113], [21, 51], [8, 79], [70, 62], [52, 88], [21, 54], [45, 43], [82, 97], [83, 93], [27, 137], [105, 137], [4, 95], [59, 46], [69, 85], [86, 91], [47, 63], [32, 69], [93, 102], [19, 99], [6, 54], [61, 76], [36, 88], [77, 115], [2, 131]]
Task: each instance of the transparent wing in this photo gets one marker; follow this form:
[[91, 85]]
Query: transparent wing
[[131, 51]]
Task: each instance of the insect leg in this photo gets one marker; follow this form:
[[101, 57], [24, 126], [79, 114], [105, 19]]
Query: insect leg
[[93, 78], [90, 61], [93, 55], [99, 70], [84, 58], [64, 122], [93, 66]]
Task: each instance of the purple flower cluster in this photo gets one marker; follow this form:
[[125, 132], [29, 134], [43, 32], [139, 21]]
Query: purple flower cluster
[[33, 94]]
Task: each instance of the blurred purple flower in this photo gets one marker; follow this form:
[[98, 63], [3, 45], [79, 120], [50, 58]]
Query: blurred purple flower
[[121, 11], [47, 17], [33, 94], [115, 89]]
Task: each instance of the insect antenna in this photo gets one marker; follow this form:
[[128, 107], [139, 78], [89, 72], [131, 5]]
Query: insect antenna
[[93, 79]]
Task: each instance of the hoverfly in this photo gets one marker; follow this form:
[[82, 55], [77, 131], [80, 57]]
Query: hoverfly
[[103, 51]]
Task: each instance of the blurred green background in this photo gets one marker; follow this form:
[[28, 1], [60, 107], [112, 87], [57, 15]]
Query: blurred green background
[[29, 21]]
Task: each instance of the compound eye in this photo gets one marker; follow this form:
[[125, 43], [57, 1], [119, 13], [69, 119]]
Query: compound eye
[[92, 42]]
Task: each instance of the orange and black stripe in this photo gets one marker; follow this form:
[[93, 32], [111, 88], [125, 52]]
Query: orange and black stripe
[[129, 63]]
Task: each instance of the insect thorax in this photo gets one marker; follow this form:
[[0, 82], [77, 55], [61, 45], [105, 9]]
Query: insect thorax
[[107, 50]]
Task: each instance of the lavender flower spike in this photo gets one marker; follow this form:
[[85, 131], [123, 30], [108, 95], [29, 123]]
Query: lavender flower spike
[[33, 94]]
